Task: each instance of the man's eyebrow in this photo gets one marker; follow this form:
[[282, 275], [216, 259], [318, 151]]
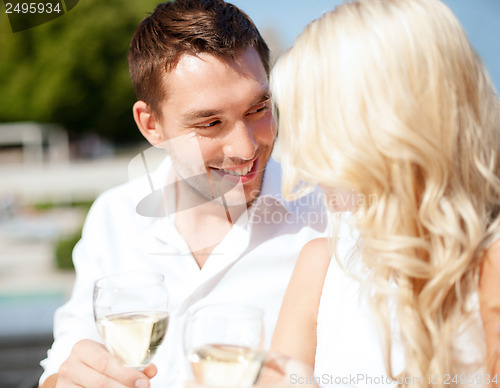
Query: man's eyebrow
[[200, 114], [265, 96]]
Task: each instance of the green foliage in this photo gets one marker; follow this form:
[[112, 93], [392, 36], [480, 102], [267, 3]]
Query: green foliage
[[40, 206], [73, 70], [64, 250]]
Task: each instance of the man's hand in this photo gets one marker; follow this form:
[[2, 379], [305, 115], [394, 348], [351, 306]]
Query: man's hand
[[90, 365]]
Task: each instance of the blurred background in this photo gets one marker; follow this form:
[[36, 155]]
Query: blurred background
[[67, 134]]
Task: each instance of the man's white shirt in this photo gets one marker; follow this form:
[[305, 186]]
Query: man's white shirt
[[251, 265]]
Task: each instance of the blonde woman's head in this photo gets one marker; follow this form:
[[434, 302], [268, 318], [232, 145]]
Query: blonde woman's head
[[387, 98], [379, 89]]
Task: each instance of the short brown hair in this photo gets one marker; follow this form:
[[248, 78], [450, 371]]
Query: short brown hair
[[187, 27]]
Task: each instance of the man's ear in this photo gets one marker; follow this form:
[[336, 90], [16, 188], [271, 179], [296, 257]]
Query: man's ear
[[147, 123]]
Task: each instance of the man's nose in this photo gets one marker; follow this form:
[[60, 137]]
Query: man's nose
[[240, 142]]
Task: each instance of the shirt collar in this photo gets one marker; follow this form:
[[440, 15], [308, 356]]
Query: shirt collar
[[157, 204], [271, 186]]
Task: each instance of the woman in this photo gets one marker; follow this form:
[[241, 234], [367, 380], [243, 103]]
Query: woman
[[387, 101]]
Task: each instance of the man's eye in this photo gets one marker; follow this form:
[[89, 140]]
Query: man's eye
[[261, 107], [210, 124]]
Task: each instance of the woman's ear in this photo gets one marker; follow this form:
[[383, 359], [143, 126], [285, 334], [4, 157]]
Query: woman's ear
[[147, 123]]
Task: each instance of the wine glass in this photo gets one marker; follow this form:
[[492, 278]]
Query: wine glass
[[224, 345], [130, 310]]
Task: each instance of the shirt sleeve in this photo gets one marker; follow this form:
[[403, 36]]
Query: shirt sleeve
[[74, 321]]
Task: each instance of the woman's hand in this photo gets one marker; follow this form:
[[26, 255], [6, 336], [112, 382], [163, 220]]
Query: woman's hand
[[279, 372]]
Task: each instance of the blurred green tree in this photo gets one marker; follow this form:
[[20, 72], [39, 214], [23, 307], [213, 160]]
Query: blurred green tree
[[73, 71]]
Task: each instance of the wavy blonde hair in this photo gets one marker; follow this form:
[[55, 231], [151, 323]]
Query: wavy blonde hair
[[388, 97]]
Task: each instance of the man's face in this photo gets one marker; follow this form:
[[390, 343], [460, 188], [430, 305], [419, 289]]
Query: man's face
[[221, 109]]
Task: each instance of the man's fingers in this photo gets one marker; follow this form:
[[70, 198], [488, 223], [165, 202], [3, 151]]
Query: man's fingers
[[91, 365], [150, 371], [81, 375]]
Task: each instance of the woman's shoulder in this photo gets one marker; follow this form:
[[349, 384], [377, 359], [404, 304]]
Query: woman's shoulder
[[319, 248], [315, 257]]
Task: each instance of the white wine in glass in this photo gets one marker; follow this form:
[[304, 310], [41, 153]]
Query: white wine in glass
[[130, 310], [223, 344]]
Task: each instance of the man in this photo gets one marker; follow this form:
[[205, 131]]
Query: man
[[207, 218]]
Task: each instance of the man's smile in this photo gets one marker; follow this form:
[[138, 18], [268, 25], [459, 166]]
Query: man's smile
[[244, 172]]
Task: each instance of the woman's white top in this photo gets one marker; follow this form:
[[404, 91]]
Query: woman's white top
[[348, 350]]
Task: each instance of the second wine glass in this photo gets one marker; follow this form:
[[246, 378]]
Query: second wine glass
[[224, 345]]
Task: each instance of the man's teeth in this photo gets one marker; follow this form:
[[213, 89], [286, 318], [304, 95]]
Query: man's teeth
[[239, 171]]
